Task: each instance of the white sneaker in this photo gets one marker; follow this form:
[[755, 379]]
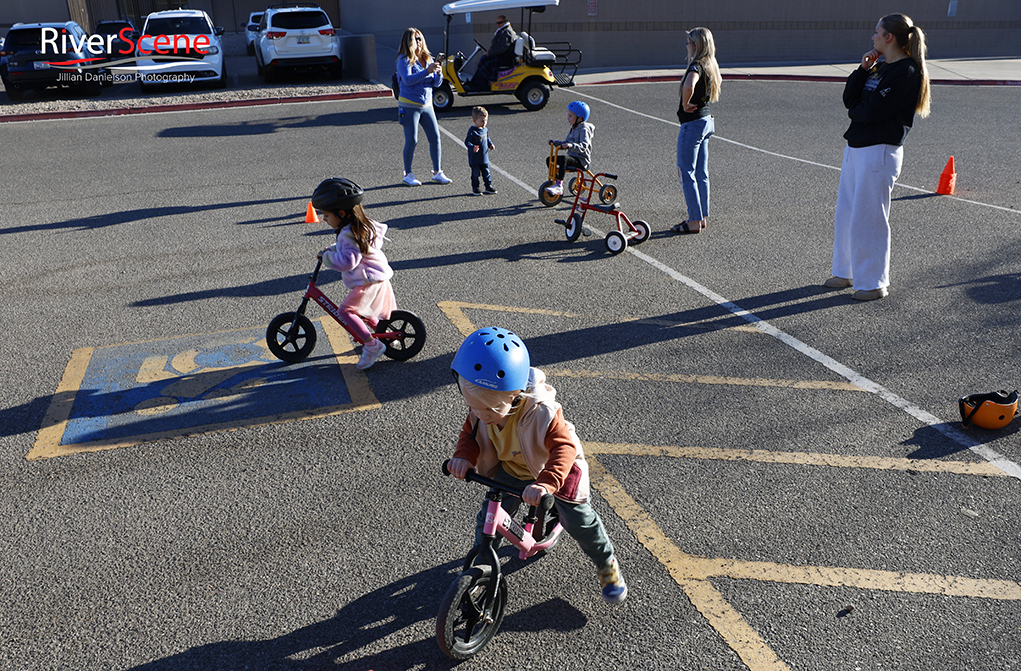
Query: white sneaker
[[411, 180], [438, 176], [371, 351], [555, 190]]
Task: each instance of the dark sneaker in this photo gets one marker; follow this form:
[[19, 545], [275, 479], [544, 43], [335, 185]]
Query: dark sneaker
[[614, 589]]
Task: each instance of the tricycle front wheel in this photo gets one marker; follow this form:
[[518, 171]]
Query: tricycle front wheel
[[408, 331], [461, 627], [291, 337], [545, 197]]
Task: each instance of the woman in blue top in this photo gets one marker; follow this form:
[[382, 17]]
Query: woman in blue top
[[700, 86], [419, 74]]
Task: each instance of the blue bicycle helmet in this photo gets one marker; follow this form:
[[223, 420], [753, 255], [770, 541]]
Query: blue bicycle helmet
[[580, 109], [493, 358]]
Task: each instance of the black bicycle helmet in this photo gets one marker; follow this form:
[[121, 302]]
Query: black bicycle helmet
[[335, 194]]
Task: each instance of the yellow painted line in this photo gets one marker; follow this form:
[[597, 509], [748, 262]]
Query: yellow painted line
[[734, 629], [704, 379], [454, 310], [980, 468], [48, 445], [47, 441]]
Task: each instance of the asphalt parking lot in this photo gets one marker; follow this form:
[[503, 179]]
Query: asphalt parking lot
[[780, 467]]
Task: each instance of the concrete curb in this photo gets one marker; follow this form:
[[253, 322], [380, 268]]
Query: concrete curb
[[385, 93]]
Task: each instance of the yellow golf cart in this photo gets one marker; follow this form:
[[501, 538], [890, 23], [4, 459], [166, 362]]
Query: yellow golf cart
[[536, 69]]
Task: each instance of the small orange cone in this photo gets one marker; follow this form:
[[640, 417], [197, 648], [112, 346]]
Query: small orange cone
[[948, 180], [312, 218]]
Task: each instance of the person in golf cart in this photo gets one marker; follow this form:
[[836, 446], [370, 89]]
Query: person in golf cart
[[500, 56]]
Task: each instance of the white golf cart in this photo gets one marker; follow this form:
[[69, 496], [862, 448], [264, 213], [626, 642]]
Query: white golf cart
[[536, 69]]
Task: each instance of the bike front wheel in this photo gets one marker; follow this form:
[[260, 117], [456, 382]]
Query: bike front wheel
[[291, 337], [409, 331], [461, 627]]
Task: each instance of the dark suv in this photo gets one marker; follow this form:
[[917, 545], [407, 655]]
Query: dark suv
[[27, 67], [119, 48]]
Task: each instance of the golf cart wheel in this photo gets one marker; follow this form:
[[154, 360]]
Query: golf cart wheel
[[291, 337], [443, 97], [461, 629], [643, 232], [615, 242], [412, 335], [545, 198], [573, 228], [534, 95], [608, 194]]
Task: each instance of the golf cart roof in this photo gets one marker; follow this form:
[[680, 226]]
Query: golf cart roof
[[465, 6]]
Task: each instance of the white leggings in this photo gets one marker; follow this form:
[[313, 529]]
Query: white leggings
[[861, 226]]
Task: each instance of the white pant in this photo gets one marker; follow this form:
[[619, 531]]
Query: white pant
[[861, 226]]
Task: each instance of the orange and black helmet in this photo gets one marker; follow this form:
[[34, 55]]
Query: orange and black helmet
[[989, 411]]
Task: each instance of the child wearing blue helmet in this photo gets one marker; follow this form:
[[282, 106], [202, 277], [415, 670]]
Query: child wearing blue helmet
[[516, 434], [578, 144]]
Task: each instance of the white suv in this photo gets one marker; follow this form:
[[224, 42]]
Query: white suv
[[296, 36], [191, 50]]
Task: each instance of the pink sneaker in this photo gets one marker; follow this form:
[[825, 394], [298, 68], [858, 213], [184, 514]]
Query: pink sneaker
[[371, 351]]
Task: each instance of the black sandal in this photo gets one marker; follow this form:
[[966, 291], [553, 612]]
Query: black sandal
[[683, 229]]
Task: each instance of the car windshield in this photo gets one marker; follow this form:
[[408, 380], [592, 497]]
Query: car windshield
[[24, 39], [111, 27], [185, 25], [298, 20]]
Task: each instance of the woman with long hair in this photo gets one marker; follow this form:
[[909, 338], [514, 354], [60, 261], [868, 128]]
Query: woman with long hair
[[419, 74], [700, 86], [882, 97]]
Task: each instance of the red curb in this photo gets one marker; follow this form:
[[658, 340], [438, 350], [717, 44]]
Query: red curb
[[185, 107]]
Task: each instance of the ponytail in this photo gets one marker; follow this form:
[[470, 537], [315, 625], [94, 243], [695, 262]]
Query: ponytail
[[911, 39]]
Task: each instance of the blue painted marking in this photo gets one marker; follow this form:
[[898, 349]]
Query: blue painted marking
[[234, 379]]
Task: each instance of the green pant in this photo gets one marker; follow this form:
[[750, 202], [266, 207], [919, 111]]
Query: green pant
[[580, 520]]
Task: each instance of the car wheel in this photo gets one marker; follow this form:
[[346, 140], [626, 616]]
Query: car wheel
[[145, 88], [336, 71], [533, 95], [269, 74], [251, 49], [221, 83], [14, 94]]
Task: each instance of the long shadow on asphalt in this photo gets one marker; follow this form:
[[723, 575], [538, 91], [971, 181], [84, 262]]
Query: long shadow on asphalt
[[269, 126], [363, 623]]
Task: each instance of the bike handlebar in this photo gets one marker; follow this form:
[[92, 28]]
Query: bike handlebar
[[547, 501]]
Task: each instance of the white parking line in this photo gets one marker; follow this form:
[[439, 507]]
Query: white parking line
[[995, 458]]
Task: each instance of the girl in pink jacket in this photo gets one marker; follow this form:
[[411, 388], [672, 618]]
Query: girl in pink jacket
[[359, 257]]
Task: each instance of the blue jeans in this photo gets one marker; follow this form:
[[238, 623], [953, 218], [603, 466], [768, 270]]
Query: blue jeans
[[580, 520], [410, 118], [692, 168]]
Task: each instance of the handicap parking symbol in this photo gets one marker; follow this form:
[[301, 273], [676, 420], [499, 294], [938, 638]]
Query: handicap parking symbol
[[121, 395]]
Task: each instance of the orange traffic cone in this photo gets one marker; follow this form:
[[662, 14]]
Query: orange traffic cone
[[948, 180], [312, 218]]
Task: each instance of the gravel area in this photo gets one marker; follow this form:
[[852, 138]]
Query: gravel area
[[244, 84]]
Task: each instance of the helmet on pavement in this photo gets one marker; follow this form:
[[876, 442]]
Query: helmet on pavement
[[335, 194], [493, 358], [989, 411], [579, 109]]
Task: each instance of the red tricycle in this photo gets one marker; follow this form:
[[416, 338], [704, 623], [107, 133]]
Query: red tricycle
[[626, 230], [291, 336]]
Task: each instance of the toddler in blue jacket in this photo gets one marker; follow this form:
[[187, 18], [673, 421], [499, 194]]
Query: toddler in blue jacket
[[479, 145]]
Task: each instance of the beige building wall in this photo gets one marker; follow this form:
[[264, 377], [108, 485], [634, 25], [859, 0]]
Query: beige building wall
[[648, 33]]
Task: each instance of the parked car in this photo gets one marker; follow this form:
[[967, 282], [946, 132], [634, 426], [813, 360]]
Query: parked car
[[25, 67], [182, 28], [252, 31], [297, 36], [119, 48]]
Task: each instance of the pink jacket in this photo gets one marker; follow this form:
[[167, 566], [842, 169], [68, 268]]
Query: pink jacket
[[358, 269]]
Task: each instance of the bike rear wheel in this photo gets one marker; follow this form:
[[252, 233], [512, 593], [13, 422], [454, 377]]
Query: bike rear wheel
[[461, 629], [411, 338]]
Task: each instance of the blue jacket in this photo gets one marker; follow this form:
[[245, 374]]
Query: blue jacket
[[478, 137], [416, 84]]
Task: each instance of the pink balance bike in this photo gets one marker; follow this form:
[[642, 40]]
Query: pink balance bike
[[472, 609], [291, 336], [625, 231]]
